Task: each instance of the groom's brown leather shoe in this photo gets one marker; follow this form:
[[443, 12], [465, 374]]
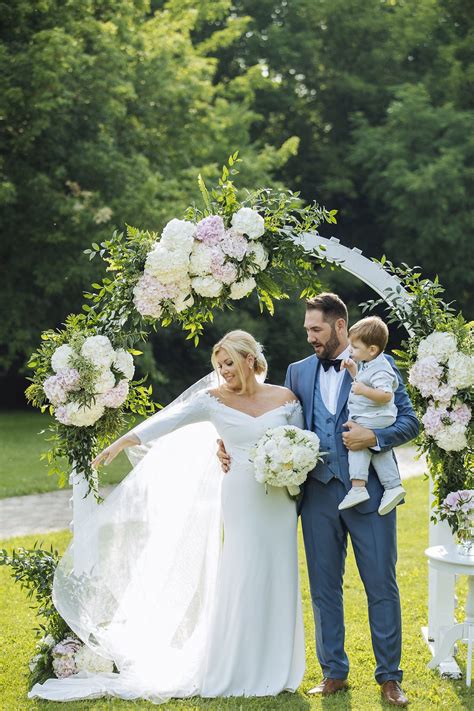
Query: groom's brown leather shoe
[[393, 694], [329, 686]]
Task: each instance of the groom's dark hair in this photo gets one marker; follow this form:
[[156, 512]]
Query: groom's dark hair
[[331, 305]]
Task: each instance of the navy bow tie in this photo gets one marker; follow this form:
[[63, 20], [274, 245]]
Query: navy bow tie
[[328, 363]]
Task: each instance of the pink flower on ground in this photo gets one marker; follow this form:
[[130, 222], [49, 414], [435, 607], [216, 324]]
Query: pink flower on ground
[[210, 230]]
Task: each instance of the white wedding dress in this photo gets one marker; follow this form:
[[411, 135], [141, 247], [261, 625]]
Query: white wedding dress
[[185, 577]]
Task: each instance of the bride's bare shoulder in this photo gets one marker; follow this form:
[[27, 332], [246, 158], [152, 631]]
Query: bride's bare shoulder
[[282, 394]]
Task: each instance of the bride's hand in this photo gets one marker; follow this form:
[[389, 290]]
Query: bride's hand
[[109, 453]]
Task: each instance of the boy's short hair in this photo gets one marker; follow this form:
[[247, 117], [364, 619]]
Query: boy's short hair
[[331, 306], [372, 331]]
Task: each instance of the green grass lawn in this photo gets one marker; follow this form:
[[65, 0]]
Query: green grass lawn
[[21, 443], [425, 688]]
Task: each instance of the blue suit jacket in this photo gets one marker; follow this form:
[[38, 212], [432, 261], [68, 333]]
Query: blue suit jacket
[[301, 379]]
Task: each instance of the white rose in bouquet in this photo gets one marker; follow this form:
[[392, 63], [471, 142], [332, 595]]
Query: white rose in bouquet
[[440, 345], [461, 371], [284, 456], [61, 356], [248, 222], [123, 362], [99, 350]]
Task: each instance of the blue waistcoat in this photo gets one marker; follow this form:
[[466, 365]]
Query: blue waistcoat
[[324, 424]]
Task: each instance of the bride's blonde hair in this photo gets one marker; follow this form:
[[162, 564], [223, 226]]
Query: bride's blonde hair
[[240, 344]]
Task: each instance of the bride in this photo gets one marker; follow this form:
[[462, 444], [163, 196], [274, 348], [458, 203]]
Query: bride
[[187, 578]]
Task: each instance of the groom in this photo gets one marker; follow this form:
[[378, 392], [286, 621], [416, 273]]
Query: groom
[[323, 390]]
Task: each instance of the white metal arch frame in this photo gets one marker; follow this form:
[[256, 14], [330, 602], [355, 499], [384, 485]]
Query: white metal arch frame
[[441, 600]]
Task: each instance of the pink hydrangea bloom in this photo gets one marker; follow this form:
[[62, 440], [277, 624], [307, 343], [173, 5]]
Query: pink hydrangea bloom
[[461, 414], [69, 378], [149, 293], [234, 245], [116, 396], [210, 230], [425, 375], [54, 390], [433, 419], [226, 273], [459, 500], [62, 415]]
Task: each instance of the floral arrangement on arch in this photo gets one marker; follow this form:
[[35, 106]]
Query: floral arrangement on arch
[[438, 359], [220, 252]]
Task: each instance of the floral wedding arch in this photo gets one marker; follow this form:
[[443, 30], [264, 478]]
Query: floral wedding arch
[[216, 255]]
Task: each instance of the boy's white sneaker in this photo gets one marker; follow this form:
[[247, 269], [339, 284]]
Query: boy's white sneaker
[[355, 496], [390, 499]]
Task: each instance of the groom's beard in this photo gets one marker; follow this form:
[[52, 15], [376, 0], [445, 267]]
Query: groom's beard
[[331, 347]]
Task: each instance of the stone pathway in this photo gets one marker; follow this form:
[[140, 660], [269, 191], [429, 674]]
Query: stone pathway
[[44, 513]]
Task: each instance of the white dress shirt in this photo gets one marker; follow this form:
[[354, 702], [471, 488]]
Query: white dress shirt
[[330, 382]]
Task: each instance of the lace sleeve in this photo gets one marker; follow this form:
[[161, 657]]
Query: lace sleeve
[[294, 414], [164, 422]]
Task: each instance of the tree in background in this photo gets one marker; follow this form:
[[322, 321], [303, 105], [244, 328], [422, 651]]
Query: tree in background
[[109, 110]]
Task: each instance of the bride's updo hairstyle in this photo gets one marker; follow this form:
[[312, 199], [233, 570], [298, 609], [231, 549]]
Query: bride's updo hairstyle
[[239, 344]]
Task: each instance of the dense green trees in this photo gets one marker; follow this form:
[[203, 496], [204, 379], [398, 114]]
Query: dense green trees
[[110, 109]]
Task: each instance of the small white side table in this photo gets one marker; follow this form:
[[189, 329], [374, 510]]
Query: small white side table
[[448, 560]]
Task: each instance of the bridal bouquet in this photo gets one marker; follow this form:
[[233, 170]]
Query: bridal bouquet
[[86, 376], [444, 376], [284, 456]]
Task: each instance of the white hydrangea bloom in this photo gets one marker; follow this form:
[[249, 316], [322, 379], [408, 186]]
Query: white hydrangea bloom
[[123, 362], [439, 344], [183, 301], [99, 350], [178, 235], [207, 286], [259, 254], [452, 438], [86, 660], [461, 371], [105, 381], [166, 265], [248, 222], [61, 356], [81, 416], [241, 288], [201, 259]]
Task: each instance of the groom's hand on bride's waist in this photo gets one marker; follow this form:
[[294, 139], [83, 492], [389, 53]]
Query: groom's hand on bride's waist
[[222, 456], [358, 437]]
